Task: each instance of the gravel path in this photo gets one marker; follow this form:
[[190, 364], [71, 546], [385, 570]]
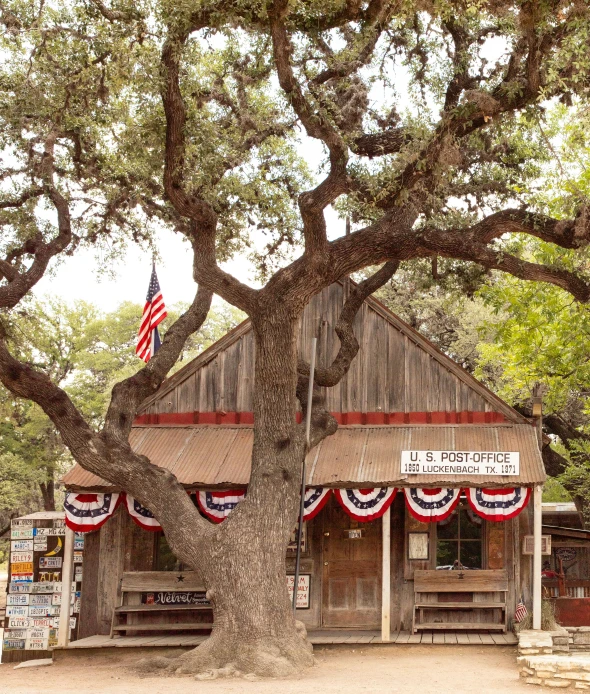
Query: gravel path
[[396, 669]]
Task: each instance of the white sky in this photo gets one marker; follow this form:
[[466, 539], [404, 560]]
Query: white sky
[[77, 277]]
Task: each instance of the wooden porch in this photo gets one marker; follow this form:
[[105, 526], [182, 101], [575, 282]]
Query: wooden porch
[[319, 637]]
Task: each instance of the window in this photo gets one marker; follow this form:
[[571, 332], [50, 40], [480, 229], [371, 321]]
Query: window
[[459, 540]]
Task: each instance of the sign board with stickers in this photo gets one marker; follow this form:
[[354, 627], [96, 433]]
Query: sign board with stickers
[[35, 568]]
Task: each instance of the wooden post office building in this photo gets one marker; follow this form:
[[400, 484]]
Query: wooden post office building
[[416, 509]]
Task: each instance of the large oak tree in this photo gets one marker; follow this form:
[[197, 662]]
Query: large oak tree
[[198, 115]]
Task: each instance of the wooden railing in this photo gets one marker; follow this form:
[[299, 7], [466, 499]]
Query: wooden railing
[[574, 588]]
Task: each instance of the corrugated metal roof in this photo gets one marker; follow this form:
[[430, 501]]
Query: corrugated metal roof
[[219, 456]]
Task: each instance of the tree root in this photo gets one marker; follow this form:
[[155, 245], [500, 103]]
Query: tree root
[[224, 655]]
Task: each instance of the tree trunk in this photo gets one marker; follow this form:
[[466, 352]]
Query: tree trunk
[[243, 561]]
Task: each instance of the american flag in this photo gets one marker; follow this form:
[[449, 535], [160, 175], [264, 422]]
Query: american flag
[[154, 313], [520, 612]]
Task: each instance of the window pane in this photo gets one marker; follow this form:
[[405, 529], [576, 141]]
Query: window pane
[[471, 554], [446, 553], [470, 527], [448, 528]]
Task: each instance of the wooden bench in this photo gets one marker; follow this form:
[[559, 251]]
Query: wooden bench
[[138, 613], [472, 590]]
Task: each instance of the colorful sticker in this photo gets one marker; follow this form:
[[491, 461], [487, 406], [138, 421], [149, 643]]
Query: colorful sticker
[[48, 532], [50, 562], [18, 622], [39, 600], [13, 644], [17, 599], [21, 546], [20, 587], [43, 587]]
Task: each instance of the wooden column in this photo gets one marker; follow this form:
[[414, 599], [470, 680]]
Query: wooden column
[[63, 636], [537, 563], [386, 578]]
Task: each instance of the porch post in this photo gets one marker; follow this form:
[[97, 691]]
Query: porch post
[[63, 636], [386, 578], [537, 563]]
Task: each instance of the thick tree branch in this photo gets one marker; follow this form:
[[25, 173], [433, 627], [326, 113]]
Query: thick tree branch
[[104, 455], [200, 212]]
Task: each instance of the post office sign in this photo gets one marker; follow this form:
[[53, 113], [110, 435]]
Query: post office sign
[[502, 463]]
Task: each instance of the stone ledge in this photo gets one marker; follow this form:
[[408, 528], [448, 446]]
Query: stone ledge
[[557, 671]]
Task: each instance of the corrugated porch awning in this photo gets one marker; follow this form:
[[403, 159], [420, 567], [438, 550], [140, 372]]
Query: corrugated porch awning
[[218, 456]]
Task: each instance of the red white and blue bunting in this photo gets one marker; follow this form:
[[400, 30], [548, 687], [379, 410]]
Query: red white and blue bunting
[[88, 512], [431, 505], [366, 504], [217, 506], [315, 500], [141, 515], [498, 504]]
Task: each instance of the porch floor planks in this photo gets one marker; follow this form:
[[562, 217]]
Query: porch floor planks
[[486, 638], [318, 638]]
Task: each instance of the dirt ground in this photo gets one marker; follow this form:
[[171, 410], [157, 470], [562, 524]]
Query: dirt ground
[[393, 669]]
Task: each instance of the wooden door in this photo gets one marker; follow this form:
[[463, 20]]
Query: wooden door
[[351, 586]]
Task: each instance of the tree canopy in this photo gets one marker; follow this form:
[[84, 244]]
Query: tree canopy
[[237, 125]]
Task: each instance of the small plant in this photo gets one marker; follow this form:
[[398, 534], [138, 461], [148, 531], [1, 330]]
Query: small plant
[[548, 621]]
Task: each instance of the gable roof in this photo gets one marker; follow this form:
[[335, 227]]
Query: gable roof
[[243, 331]]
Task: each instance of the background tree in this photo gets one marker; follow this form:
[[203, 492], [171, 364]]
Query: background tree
[[426, 119], [85, 351]]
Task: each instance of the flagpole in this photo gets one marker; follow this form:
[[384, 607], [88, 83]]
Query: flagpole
[[307, 447]]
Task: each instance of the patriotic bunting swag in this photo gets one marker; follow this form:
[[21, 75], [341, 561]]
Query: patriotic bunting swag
[[430, 505], [141, 515], [216, 506], [498, 504], [365, 504], [315, 500], [87, 512]]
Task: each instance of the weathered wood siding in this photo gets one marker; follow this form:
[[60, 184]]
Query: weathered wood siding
[[390, 374]]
